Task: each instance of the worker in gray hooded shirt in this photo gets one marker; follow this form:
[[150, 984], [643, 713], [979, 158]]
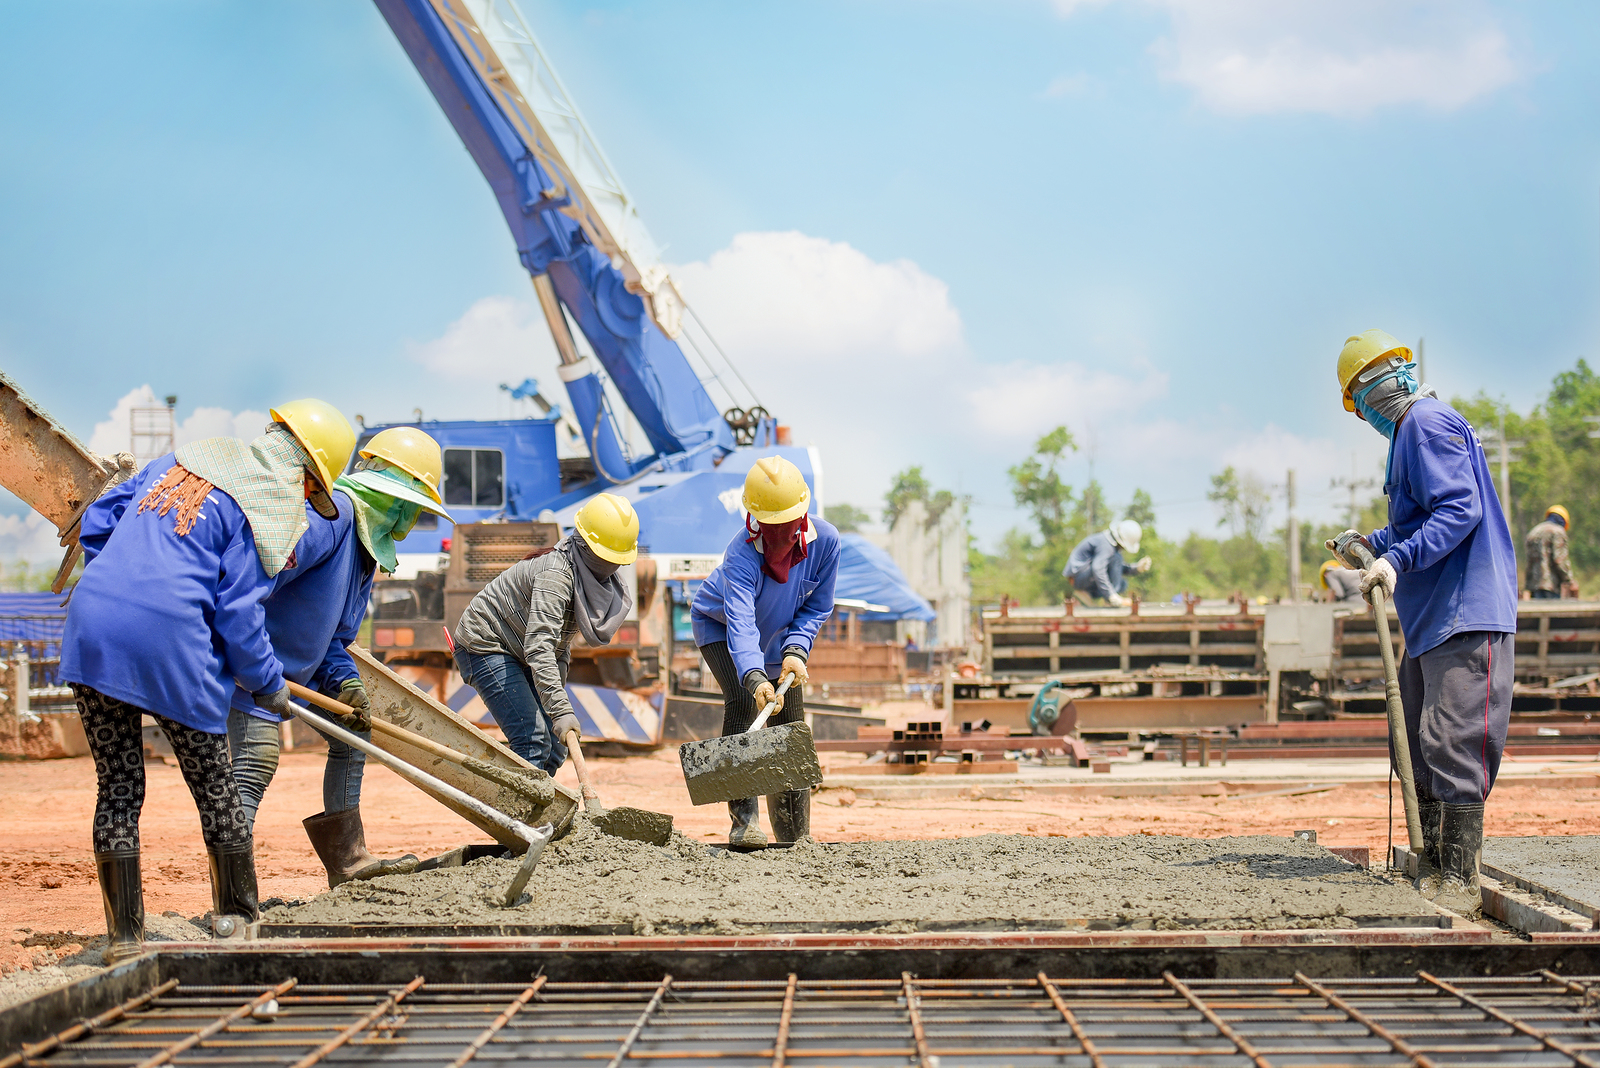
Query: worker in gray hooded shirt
[[1096, 566]]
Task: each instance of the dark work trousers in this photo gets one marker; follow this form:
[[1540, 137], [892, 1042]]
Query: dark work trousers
[[1457, 700], [115, 732], [738, 707]]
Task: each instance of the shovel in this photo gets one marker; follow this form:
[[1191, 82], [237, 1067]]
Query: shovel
[[634, 824], [1356, 552], [536, 837], [753, 764]]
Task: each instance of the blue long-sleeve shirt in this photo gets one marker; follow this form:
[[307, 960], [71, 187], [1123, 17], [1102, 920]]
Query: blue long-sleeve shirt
[[1447, 537], [1096, 566], [317, 604], [167, 623], [759, 617]]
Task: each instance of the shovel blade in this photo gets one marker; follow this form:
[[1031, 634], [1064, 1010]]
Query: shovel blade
[[767, 761], [635, 824]]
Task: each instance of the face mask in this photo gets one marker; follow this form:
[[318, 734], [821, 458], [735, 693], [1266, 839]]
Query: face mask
[[1385, 399]]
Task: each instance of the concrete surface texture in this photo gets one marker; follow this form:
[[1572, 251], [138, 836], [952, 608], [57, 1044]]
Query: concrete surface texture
[[752, 764], [1570, 866], [986, 882]]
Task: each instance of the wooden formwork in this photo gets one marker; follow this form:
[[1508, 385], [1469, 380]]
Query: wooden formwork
[[1036, 642]]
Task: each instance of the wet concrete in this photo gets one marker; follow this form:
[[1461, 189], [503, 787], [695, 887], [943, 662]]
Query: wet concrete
[[636, 824], [1569, 865], [590, 880], [754, 764]]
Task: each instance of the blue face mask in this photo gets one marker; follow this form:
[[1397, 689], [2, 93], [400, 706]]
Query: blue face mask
[[1406, 379]]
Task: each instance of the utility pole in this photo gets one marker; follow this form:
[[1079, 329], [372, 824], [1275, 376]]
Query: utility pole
[[1293, 533], [1506, 457], [1422, 366], [1355, 486]]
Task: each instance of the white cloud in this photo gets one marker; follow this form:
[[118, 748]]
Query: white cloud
[[1345, 59], [29, 538], [497, 340], [114, 433]]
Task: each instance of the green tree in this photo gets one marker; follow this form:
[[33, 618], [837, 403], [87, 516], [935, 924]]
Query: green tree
[[847, 517], [909, 485]]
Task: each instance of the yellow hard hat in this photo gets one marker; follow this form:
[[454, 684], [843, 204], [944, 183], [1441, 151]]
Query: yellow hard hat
[[325, 433], [775, 491], [1361, 352], [413, 452], [1327, 566], [610, 527], [1556, 509]]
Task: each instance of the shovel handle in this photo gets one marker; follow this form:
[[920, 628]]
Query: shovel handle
[[582, 768], [339, 708], [772, 705]]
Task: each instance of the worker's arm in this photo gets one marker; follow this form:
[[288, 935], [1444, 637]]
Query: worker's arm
[[102, 517], [817, 607], [1561, 560], [1440, 477], [740, 573], [337, 664], [240, 620], [541, 643], [1100, 573]]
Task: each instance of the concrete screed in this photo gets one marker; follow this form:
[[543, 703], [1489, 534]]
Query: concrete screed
[[1568, 865], [990, 882]]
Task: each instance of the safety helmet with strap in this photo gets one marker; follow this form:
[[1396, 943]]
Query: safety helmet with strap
[[1556, 509], [775, 491], [324, 432], [1126, 534], [1327, 566], [1359, 354], [413, 452], [610, 527]]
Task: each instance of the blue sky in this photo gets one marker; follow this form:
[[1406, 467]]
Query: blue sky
[[927, 231]]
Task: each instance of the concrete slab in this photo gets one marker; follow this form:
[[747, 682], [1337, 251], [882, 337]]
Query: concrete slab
[[1566, 868]]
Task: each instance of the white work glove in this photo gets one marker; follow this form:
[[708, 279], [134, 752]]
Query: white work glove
[[1114, 599], [796, 665], [1144, 564], [761, 689], [1381, 573]]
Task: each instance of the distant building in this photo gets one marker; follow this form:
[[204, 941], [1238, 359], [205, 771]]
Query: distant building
[[934, 559]]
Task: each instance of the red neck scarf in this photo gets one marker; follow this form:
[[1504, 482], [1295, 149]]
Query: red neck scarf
[[783, 545]]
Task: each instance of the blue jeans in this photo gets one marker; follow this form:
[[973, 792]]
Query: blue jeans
[[253, 745], [506, 686]]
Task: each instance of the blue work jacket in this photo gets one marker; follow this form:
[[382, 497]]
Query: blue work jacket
[[317, 604], [167, 623], [1447, 537], [1096, 566], [759, 617]]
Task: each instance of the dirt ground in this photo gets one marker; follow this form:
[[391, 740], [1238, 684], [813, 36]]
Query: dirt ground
[[48, 889]]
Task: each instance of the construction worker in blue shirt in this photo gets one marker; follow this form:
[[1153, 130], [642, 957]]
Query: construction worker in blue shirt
[[314, 612], [754, 620], [1096, 567], [167, 619], [1447, 561]]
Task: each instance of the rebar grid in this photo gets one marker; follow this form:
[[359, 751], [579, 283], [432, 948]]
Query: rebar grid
[[1423, 1020]]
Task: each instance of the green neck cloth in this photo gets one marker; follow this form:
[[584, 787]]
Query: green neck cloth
[[381, 520]]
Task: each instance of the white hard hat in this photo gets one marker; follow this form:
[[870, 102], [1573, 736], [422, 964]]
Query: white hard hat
[[1126, 535]]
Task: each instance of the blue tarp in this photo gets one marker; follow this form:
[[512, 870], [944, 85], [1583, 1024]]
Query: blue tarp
[[35, 617], [867, 573]]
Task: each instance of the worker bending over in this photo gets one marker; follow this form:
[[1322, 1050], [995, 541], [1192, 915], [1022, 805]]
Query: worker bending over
[[514, 642], [314, 612], [755, 618], [1549, 565], [1342, 583], [166, 617], [1096, 566], [1457, 603]]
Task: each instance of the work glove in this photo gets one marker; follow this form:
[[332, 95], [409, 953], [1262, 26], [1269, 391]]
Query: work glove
[[354, 694], [1115, 600], [1144, 564], [274, 701], [761, 689], [795, 664], [1380, 574], [564, 725]]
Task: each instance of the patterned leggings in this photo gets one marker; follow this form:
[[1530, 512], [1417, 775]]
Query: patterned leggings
[[115, 733]]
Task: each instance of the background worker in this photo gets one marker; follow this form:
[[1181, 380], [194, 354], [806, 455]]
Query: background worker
[[314, 612], [1549, 564], [165, 618], [1457, 604], [755, 618], [514, 642], [1096, 566], [1342, 583]]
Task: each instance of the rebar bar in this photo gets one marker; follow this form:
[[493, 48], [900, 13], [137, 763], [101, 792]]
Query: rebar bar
[[166, 1055], [780, 1045], [638, 1026], [1222, 1026], [1095, 1060], [1400, 1045], [499, 1021], [1520, 1026], [914, 1014], [384, 1007]]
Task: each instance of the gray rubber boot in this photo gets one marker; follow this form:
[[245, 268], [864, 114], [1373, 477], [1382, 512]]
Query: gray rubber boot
[[790, 813], [341, 844], [122, 893], [1460, 853], [1430, 872], [746, 830]]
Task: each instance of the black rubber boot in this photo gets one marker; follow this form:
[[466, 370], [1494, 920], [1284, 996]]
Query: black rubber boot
[[122, 892], [1430, 873], [233, 885], [746, 831], [341, 844], [790, 814], [1460, 853]]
